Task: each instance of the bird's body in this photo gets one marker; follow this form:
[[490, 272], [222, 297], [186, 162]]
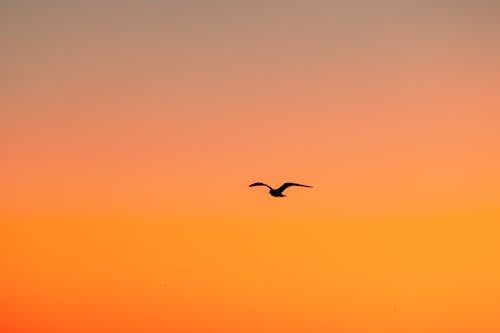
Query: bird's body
[[278, 192]]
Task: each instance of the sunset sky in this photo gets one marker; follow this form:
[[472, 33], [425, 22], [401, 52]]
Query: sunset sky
[[130, 131]]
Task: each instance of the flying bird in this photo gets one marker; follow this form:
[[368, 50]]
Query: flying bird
[[278, 192]]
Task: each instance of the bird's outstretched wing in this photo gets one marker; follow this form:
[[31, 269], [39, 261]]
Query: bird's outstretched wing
[[258, 184], [287, 185]]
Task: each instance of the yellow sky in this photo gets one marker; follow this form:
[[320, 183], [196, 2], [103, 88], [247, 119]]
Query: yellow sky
[[130, 132]]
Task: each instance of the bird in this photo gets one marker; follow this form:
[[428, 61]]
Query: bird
[[277, 192]]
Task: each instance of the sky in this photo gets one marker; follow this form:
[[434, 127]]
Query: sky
[[130, 131]]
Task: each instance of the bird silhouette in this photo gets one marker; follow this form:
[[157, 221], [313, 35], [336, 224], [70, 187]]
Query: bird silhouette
[[278, 192]]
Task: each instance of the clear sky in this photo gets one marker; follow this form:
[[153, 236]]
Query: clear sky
[[130, 131]]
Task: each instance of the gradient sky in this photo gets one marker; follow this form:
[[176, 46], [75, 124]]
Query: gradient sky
[[131, 129]]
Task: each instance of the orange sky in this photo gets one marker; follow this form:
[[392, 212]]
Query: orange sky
[[130, 132]]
